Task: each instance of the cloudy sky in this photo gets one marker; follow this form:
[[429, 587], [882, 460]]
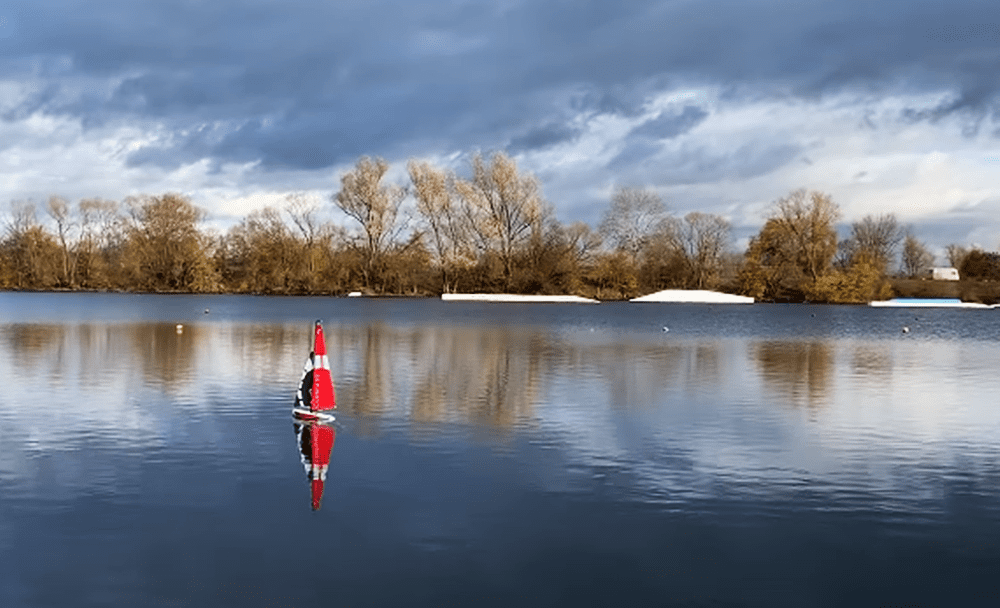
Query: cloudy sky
[[720, 105]]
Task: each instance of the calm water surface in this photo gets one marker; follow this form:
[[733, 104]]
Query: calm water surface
[[505, 455]]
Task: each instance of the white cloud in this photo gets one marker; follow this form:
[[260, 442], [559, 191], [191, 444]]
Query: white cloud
[[863, 151], [869, 153]]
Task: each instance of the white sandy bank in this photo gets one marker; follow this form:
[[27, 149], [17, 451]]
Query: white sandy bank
[[506, 297], [693, 296], [927, 303]]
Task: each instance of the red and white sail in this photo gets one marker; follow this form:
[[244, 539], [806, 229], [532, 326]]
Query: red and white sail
[[316, 392]]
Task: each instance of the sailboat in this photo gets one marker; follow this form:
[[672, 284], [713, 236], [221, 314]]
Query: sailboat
[[315, 444], [315, 399]]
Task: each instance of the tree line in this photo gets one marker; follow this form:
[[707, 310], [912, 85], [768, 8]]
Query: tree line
[[488, 231]]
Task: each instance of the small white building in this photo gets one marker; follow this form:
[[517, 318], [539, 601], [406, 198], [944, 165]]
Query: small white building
[[944, 274]]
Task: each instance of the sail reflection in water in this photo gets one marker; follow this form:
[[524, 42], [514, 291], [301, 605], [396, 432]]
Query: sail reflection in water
[[315, 442]]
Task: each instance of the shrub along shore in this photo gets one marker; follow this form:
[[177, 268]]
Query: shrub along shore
[[983, 292], [489, 232]]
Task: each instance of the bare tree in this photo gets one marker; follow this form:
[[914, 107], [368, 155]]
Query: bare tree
[[303, 210], [101, 237], [315, 236], [702, 240], [633, 216], [22, 217], [448, 225], [504, 208], [556, 262], [917, 260], [875, 239], [100, 222], [956, 254], [581, 241], [59, 211], [374, 206]]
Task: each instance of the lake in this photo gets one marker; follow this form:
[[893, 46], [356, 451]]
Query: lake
[[498, 454]]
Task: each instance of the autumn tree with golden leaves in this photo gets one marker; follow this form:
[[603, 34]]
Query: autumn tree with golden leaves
[[794, 248], [807, 220], [30, 253], [165, 249]]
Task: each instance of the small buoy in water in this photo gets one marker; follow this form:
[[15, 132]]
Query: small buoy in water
[[906, 330], [180, 328]]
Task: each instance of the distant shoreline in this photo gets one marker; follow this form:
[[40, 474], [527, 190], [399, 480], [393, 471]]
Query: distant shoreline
[[982, 292]]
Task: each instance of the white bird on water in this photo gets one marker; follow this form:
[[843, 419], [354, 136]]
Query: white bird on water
[[906, 329], [665, 328]]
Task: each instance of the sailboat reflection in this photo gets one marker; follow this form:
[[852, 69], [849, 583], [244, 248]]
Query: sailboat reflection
[[315, 445]]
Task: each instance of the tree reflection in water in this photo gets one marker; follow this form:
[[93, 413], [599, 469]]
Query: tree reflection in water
[[486, 375], [800, 371]]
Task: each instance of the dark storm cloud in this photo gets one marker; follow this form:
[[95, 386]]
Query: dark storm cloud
[[634, 154], [644, 160], [668, 124], [543, 136], [310, 84], [645, 140]]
